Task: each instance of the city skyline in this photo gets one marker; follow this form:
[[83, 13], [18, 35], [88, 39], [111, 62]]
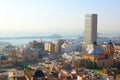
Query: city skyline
[[56, 16]]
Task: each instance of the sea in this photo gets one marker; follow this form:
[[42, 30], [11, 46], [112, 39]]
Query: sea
[[23, 41]]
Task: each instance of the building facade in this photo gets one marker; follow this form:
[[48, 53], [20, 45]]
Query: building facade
[[15, 74], [49, 47], [98, 59], [90, 34], [58, 44], [68, 47], [36, 45]]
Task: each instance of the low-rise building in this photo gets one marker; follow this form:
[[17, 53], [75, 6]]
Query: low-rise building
[[15, 74], [4, 61], [72, 55], [117, 48], [36, 45], [23, 54], [68, 47], [118, 77]]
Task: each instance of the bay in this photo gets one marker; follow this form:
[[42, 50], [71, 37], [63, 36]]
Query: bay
[[23, 41]]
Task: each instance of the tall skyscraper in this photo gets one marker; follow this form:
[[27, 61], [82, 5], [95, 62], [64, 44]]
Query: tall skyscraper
[[90, 34]]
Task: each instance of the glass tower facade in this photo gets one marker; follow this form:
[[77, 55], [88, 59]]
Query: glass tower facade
[[90, 34]]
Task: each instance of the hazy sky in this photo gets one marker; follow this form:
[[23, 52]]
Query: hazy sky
[[38, 16]]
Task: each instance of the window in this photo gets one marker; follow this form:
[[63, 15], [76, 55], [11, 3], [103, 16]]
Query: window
[[103, 64], [106, 56]]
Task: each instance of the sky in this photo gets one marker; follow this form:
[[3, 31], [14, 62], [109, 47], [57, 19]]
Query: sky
[[36, 17]]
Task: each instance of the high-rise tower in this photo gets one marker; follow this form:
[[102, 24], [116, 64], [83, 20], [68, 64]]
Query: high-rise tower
[[90, 34]]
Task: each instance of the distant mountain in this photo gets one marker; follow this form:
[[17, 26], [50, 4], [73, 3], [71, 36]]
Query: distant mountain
[[54, 36]]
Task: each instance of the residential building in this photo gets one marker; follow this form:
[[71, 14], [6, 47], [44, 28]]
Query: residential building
[[72, 55], [58, 44], [23, 54], [36, 45], [4, 61], [68, 47], [15, 74], [49, 47], [118, 77]]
